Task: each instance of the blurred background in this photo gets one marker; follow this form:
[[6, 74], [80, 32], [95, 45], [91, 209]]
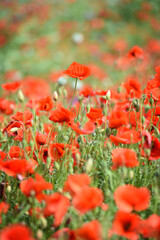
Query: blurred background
[[41, 38]]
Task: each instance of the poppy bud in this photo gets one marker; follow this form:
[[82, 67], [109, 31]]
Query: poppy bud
[[48, 162], [39, 234], [108, 95], [20, 96], [55, 96], [88, 107], [131, 174], [78, 158], [147, 108], [44, 222], [41, 126], [108, 132], [151, 101], [65, 92], [119, 89], [147, 151], [9, 189], [89, 165], [101, 130], [70, 166], [143, 120], [57, 166], [32, 193]]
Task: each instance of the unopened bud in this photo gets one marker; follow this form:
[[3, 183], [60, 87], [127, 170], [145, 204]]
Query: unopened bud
[[9, 188], [48, 162], [147, 108], [143, 120], [131, 174], [56, 164], [108, 95], [55, 96], [147, 151], [151, 100], [65, 92], [70, 166], [32, 193], [78, 158], [20, 96], [88, 108], [39, 234], [43, 221], [119, 89], [89, 165]]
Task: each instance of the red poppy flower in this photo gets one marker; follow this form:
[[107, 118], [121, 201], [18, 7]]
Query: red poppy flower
[[3, 208], [41, 138], [45, 104], [95, 114], [13, 86], [43, 154], [50, 131], [57, 205], [38, 185], [126, 225], [61, 115], [77, 70], [155, 153], [16, 232], [64, 233], [35, 88], [118, 118], [125, 136], [75, 182], [136, 52], [18, 166], [132, 87], [89, 231], [2, 155], [150, 227], [97, 72], [16, 152], [24, 117], [56, 150], [129, 198], [88, 128], [124, 157], [87, 91], [7, 106], [87, 198], [14, 129], [157, 75]]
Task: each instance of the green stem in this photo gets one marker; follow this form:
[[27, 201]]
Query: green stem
[[73, 94]]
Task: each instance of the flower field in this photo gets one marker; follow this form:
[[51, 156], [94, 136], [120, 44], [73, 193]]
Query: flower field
[[79, 120]]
